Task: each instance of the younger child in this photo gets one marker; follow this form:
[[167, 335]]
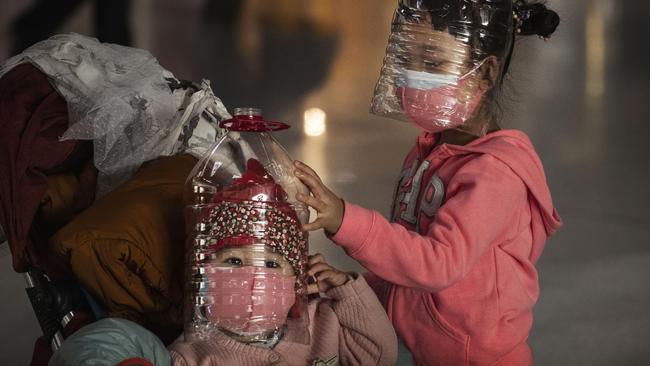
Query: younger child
[[248, 300], [348, 327]]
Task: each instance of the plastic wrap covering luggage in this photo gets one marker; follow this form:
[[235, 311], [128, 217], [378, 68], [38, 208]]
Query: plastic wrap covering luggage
[[121, 98], [32, 116]]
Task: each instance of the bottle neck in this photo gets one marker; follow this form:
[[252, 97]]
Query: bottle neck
[[248, 111]]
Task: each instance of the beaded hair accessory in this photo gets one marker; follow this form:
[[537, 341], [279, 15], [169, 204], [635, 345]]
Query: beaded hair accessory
[[534, 19], [520, 17]]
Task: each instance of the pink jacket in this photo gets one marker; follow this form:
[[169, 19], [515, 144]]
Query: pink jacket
[[349, 328], [455, 268]]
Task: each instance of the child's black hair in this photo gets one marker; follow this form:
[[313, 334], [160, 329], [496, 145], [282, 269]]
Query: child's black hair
[[487, 27], [490, 28], [531, 19]]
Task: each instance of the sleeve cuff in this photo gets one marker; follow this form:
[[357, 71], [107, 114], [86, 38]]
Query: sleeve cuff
[[355, 228]]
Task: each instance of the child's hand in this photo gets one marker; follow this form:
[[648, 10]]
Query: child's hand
[[327, 204], [326, 276]]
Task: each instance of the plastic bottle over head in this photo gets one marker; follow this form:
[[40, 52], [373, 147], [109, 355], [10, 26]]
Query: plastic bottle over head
[[244, 233]]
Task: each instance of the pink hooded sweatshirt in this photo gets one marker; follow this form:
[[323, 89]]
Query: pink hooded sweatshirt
[[455, 267]]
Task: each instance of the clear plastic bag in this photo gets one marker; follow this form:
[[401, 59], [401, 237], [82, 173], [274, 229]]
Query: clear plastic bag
[[432, 73], [247, 253], [122, 99]]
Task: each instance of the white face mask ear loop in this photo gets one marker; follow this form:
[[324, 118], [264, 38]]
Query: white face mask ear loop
[[470, 72]]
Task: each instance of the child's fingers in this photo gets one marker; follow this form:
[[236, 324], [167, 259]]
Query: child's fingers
[[318, 268], [311, 201], [327, 274], [312, 289], [313, 226], [313, 183], [316, 258], [307, 169], [330, 278]]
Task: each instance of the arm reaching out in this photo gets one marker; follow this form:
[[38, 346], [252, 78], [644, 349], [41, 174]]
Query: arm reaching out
[[483, 201]]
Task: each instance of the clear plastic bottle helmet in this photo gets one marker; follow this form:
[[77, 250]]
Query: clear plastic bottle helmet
[[247, 254], [439, 54]]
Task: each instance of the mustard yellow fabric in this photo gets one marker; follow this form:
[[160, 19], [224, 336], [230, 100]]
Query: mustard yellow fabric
[[127, 248]]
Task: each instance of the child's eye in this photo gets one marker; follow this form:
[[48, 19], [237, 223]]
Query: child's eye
[[234, 261], [272, 264], [429, 63], [402, 59]]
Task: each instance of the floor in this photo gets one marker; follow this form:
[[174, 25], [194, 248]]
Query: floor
[[582, 98]]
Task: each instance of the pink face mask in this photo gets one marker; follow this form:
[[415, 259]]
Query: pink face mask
[[250, 299], [431, 101]]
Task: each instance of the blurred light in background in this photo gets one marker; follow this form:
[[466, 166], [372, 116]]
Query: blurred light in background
[[314, 122], [586, 149], [595, 49]]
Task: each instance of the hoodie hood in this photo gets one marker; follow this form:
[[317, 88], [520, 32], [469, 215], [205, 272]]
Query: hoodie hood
[[515, 149]]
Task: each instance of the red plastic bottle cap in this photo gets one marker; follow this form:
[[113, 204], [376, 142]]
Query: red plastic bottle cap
[[251, 120]]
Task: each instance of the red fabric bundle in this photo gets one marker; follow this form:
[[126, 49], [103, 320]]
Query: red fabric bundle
[[32, 117]]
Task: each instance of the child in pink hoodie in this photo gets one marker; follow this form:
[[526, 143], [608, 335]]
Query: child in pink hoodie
[[455, 264]]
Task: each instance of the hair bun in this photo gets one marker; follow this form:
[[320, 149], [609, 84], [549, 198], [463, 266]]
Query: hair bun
[[535, 19]]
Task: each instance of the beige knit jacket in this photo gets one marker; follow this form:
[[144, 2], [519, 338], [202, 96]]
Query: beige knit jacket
[[349, 327]]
